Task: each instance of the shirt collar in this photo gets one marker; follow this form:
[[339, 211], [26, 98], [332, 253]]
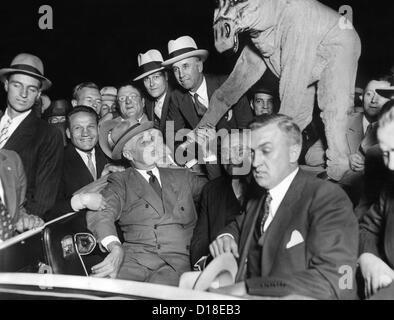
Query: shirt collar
[[278, 193], [366, 123], [155, 171], [18, 118], [202, 90], [161, 99], [83, 154]]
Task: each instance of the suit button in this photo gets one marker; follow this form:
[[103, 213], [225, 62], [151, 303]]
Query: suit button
[[155, 226], [182, 208], [146, 206], [158, 246]]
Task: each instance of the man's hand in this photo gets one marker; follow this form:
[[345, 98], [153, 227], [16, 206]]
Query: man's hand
[[110, 266], [110, 168], [376, 273], [28, 222], [222, 245], [356, 162], [238, 289], [91, 201]]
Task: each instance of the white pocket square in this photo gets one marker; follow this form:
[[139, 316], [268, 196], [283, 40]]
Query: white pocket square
[[296, 238]]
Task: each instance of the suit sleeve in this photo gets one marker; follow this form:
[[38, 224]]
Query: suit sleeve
[[331, 244], [174, 114], [102, 223], [21, 187], [200, 241], [48, 173], [243, 113], [372, 228]]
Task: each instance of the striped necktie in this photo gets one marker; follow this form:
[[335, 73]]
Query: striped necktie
[[91, 166], [4, 132], [200, 108]]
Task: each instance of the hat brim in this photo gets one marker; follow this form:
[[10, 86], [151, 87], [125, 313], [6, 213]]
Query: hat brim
[[223, 269], [45, 82], [148, 73], [386, 92], [202, 53], [104, 129]]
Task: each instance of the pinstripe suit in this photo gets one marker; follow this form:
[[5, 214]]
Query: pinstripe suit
[[40, 147]]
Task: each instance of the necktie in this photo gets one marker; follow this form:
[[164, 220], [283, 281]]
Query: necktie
[[6, 226], [368, 141], [264, 214], [200, 108], [91, 167], [154, 183], [4, 132]]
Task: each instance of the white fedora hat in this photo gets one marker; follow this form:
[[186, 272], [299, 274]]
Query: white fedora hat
[[220, 272], [29, 64], [148, 63], [182, 48]]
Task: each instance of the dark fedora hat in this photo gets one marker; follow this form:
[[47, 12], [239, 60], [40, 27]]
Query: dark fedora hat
[[29, 64], [114, 134], [58, 108]]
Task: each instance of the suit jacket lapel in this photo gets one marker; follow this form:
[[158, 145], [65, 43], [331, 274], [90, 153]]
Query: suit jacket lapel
[[23, 132], [188, 111], [212, 85], [164, 110], [101, 161], [79, 163], [272, 238], [143, 189], [171, 192]]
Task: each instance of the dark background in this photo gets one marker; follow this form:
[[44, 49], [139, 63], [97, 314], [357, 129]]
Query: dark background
[[99, 40]]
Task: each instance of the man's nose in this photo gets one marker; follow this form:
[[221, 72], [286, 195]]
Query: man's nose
[[257, 159], [23, 92], [85, 132]]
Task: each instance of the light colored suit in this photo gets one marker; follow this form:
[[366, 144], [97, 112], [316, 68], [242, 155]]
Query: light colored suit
[[157, 233], [13, 180]]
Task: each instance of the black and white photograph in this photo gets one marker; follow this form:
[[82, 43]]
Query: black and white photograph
[[214, 152]]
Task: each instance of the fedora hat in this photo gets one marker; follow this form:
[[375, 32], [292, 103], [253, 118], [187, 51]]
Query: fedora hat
[[29, 64], [114, 134], [108, 93], [148, 63], [386, 92], [220, 272], [182, 48], [58, 108]]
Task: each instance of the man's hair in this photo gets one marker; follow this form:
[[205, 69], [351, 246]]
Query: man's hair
[[83, 85], [78, 109], [386, 115], [131, 84], [285, 123]]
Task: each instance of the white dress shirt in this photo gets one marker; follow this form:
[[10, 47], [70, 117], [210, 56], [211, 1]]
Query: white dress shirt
[[159, 105], [278, 193], [202, 92], [107, 240], [85, 158], [14, 124], [366, 123]]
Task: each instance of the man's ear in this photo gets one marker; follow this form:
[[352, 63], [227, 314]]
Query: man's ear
[[127, 154], [295, 151], [6, 85], [74, 102], [68, 134], [143, 102], [200, 66], [251, 104]]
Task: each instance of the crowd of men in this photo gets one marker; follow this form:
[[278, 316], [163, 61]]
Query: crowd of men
[[112, 154]]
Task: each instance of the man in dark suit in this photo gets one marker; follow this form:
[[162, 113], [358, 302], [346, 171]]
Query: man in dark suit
[[361, 136], [377, 224], [190, 101], [84, 162], [13, 215], [155, 80], [39, 145], [225, 197], [301, 235], [154, 207]]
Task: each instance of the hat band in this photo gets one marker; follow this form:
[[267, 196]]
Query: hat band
[[26, 67], [153, 65], [181, 51], [127, 131]]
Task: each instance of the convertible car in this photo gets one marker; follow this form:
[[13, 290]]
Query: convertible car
[[51, 262]]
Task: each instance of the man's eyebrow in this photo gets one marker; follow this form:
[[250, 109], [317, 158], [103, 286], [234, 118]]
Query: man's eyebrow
[[264, 144]]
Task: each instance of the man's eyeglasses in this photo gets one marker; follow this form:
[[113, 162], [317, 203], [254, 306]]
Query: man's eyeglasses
[[132, 97]]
